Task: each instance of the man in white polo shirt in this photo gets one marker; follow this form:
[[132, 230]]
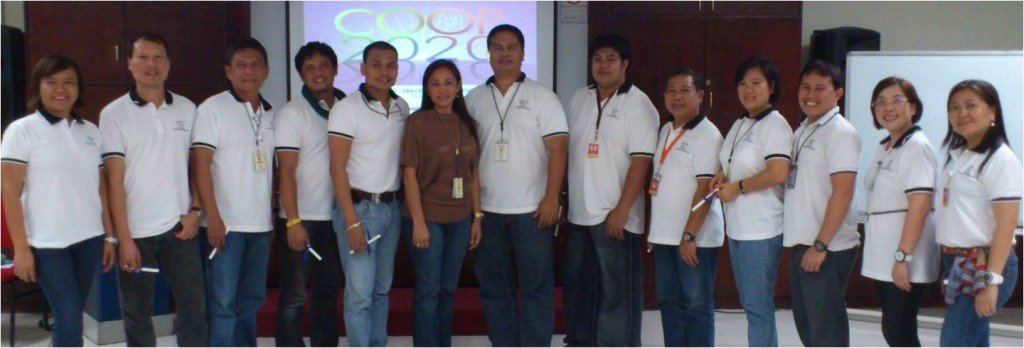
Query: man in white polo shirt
[[233, 143], [819, 223], [308, 246], [147, 133], [613, 130], [364, 137], [523, 137]]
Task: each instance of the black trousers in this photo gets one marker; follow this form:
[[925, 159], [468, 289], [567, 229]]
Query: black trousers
[[899, 313], [324, 280], [819, 298]]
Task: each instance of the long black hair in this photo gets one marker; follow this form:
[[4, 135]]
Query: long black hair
[[459, 104], [994, 137]]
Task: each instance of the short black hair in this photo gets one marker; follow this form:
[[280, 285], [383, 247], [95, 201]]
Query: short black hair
[[771, 74], [823, 68], [151, 37], [614, 41], [246, 43], [908, 90], [507, 28], [378, 45], [312, 48], [698, 81], [49, 66]]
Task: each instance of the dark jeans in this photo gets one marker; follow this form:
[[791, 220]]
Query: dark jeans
[[66, 275], [899, 313], [181, 262], [686, 296], [513, 242], [819, 299], [300, 269], [437, 271], [603, 293]]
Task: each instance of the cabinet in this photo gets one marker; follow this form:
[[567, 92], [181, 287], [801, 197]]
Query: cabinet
[[97, 35], [712, 38]]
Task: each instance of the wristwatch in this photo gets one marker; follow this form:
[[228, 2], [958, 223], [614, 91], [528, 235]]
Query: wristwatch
[[993, 278], [197, 210], [111, 240], [820, 246], [688, 237], [478, 214], [902, 256]]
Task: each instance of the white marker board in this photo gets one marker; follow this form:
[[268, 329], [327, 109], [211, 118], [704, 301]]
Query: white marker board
[[933, 74]]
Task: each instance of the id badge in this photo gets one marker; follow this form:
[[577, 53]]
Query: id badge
[[501, 151], [457, 192], [791, 182], [593, 149], [259, 161], [945, 196], [655, 181]]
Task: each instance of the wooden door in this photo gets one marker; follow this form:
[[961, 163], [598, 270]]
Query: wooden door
[[88, 32]]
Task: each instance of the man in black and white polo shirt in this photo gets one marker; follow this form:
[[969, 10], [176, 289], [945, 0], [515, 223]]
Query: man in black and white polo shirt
[[613, 130], [523, 137], [819, 223], [147, 133], [233, 143], [364, 138], [307, 198]]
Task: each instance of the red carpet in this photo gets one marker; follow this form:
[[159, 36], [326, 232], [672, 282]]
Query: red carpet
[[468, 318]]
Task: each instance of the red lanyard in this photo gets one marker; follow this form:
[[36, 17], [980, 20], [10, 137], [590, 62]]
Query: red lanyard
[[669, 145]]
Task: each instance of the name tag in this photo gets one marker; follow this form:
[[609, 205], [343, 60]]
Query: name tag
[[655, 182], [791, 182], [259, 161], [501, 151], [457, 192], [593, 149]]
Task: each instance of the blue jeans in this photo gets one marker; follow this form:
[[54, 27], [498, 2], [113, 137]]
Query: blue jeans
[[686, 296], [66, 276], [755, 267], [236, 286], [368, 274], [513, 242], [437, 275], [962, 325], [603, 293]]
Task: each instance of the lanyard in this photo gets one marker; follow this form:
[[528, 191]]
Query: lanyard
[[255, 123], [501, 116], [388, 113], [796, 152], [736, 140], [600, 109], [457, 140], [667, 148]]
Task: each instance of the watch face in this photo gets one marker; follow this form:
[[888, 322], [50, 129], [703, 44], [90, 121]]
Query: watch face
[[901, 256], [820, 246]]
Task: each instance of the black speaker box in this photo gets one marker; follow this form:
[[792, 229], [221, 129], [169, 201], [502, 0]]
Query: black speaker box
[[832, 45], [12, 57]]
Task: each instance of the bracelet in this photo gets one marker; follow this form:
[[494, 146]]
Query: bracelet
[[292, 222], [478, 214], [742, 191], [349, 228]]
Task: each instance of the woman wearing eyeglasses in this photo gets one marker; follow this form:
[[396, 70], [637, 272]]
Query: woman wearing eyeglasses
[[899, 244]]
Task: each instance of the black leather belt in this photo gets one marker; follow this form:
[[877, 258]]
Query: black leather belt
[[359, 196]]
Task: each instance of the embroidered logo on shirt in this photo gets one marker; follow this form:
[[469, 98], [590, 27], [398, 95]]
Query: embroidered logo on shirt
[[90, 141], [684, 147], [614, 114], [809, 144], [523, 104], [749, 137], [180, 126]]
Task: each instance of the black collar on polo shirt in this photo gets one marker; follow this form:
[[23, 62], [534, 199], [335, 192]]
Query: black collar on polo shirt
[[626, 86], [366, 93], [903, 138], [694, 122], [763, 114], [54, 119], [490, 80], [134, 95], [264, 102], [315, 103]]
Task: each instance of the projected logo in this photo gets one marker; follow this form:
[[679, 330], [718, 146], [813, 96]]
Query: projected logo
[[421, 32]]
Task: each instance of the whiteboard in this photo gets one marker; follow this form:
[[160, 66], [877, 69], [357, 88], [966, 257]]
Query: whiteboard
[[933, 74]]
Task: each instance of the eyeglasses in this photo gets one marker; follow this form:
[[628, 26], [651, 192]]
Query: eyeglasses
[[882, 103]]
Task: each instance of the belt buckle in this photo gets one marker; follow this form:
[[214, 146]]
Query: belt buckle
[[375, 197]]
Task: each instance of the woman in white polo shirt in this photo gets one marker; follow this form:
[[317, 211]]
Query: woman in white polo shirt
[[899, 243], [755, 162], [54, 196], [977, 213]]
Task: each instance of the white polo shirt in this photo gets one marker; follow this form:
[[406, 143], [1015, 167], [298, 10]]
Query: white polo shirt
[[746, 150], [690, 160], [528, 113], [907, 168], [629, 127], [964, 209], [376, 136], [61, 197], [154, 143], [230, 127], [302, 128], [826, 147]]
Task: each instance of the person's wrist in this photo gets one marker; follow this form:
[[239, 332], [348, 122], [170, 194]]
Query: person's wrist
[[742, 190], [292, 222]]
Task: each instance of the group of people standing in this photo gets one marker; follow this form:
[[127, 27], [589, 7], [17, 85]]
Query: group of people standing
[[187, 191]]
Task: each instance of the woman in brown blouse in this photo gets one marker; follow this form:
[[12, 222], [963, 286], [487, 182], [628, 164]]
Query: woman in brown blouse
[[441, 215]]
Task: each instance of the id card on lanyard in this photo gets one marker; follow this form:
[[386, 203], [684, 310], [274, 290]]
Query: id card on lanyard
[[259, 159], [501, 147], [665, 150], [594, 147], [791, 182]]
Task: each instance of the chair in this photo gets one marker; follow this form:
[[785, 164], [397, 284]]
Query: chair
[[9, 279]]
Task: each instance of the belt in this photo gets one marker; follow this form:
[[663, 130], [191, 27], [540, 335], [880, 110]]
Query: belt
[[948, 250], [359, 196]]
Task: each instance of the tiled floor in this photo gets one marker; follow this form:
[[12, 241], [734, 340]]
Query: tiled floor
[[730, 331]]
